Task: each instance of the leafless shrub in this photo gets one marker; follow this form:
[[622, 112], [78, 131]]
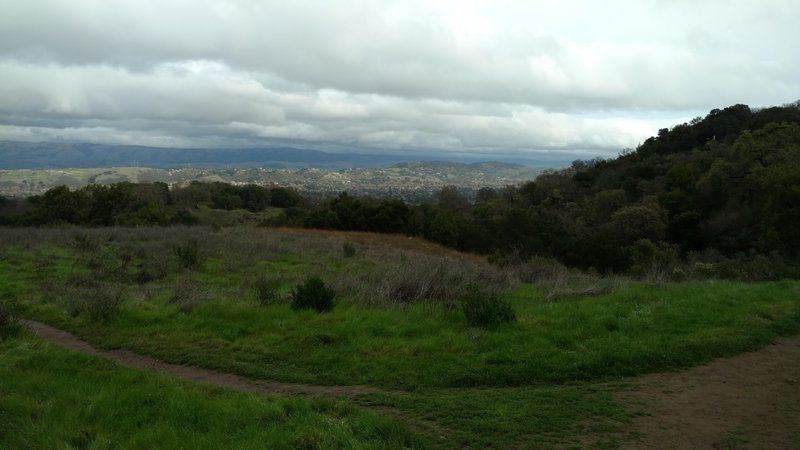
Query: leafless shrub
[[266, 290], [559, 280], [151, 269], [420, 277], [87, 294], [187, 294]]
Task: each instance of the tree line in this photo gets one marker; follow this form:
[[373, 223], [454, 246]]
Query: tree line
[[140, 204], [719, 187]]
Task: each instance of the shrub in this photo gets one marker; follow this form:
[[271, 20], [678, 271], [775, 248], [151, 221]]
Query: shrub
[[266, 291], [8, 321], [187, 294], [313, 294], [188, 255], [348, 249], [484, 309], [84, 242], [421, 278], [103, 302], [150, 269], [558, 280], [86, 293], [654, 261], [6, 316]]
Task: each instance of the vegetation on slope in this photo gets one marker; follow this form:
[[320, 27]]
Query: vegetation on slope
[[104, 406], [415, 335], [713, 198], [397, 324], [721, 193]]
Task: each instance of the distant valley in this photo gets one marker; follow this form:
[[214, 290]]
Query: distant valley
[[408, 181], [28, 168]]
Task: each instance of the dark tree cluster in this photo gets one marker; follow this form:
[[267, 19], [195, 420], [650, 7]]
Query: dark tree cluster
[[135, 204]]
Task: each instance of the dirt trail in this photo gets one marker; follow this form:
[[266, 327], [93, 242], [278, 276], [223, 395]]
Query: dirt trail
[[750, 401], [134, 360]]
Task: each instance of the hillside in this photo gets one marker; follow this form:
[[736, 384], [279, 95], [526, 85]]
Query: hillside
[[719, 195], [400, 350]]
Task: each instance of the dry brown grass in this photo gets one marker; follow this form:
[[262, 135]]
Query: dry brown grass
[[559, 280], [391, 270]]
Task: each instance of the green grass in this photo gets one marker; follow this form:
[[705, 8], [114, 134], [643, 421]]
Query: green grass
[[53, 398], [575, 415], [541, 381], [638, 329]]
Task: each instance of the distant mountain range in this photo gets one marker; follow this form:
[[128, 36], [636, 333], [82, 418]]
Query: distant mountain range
[[54, 155], [50, 155]]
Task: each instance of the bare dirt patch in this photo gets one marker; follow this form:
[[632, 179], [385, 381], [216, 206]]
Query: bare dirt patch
[[750, 401]]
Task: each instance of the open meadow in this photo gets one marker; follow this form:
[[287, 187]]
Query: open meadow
[[441, 349]]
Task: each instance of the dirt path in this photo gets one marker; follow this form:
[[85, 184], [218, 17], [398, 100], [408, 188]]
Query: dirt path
[[750, 401], [134, 360]]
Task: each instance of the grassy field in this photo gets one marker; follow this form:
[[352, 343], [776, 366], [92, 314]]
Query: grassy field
[[546, 379], [52, 398]]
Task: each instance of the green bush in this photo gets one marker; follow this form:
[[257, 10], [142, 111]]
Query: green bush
[[103, 302], [313, 294], [266, 291], [348, 249], [188, 255], [6, 316], [483, 309], [151, 269], [9, 325]]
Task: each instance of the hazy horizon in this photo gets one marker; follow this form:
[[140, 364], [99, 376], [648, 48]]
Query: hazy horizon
[[507, 78]]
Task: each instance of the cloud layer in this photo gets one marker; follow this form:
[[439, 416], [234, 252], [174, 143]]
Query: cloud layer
[[463, 76]]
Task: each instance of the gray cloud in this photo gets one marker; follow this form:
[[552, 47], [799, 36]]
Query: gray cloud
[[438, 74]]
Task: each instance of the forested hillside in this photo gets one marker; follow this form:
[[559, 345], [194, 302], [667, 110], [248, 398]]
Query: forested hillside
[[720, 194], [720, 187], [729, 182]]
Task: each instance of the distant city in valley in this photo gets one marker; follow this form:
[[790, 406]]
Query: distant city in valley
[[32, 168]]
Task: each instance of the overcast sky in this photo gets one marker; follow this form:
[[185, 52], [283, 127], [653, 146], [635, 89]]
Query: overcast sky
[[504, 77]]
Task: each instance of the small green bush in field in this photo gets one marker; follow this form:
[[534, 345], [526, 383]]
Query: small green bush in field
[[348, 249], [266, 291], [313, 294], [483, 309], [188, 255], [6, 316]]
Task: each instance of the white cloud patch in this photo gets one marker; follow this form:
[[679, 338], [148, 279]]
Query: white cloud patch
[[469, 75]]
